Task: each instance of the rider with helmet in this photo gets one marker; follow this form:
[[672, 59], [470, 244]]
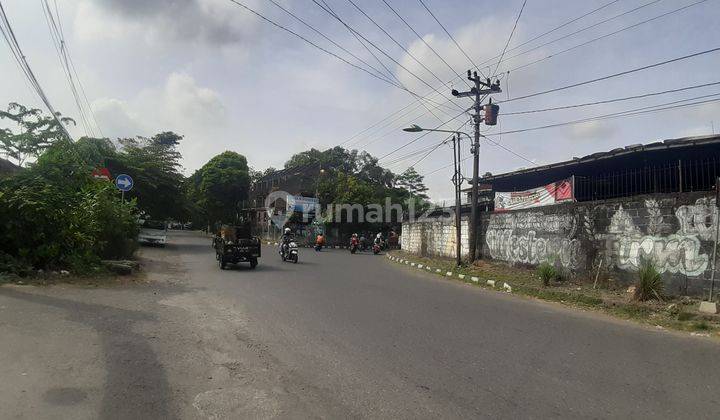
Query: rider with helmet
[[286, 239]]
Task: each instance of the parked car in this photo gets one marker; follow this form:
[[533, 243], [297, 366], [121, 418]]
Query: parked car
[[153, 232]]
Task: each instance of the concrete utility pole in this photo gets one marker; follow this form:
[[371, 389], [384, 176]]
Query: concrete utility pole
[[490, 119], [457, 181]]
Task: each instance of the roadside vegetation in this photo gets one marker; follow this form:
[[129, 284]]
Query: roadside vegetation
[[678, 313], [56, 216]]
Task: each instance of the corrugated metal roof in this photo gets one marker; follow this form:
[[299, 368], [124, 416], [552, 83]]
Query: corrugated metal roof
[[620, 151]]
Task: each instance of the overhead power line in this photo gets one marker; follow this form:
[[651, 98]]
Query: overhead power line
[[419, 137], [315, 45], [420, 37], [607, 101], [562, 25], [627, 113], [21, 59], [364, 44], [611, 76], [451, 37], [635, 111], [601, 37], [59, 44], [494, 73], [405, 50], [571, 34], [380, 50], [392, 130], [317, 31]]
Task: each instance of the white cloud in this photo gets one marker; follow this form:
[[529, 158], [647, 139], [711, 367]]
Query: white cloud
[[179, 105], [115, 119]]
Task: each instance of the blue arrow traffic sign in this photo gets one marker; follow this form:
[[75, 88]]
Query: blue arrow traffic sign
[[124, 182]]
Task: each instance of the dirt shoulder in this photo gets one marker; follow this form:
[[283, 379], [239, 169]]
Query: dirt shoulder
[[676, 313]]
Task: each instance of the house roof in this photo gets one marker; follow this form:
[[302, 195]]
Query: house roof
[[7, 167]]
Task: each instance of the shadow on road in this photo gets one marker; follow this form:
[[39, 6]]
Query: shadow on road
[[136, 384]]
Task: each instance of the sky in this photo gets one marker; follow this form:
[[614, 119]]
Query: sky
[[227, 80]]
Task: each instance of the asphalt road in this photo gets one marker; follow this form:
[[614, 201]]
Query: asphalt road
[[334, 336]]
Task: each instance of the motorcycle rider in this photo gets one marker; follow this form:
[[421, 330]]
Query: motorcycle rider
[[379, 240], [319, 241], [363, 242], [285, 241]]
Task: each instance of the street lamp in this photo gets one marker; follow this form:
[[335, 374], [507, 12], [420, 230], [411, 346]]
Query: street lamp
[[414, 128]]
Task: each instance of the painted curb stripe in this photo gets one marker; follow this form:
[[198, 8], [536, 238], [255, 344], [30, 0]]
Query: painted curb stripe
[[461, 276], [491, 283], [475, 279]]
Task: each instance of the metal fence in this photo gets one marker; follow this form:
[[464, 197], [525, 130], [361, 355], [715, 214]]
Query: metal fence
[[680, 176]]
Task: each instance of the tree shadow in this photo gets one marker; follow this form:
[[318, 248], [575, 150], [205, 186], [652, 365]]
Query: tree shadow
[[136, 385]]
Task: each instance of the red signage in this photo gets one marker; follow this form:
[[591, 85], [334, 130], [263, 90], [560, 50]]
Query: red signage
[[101, 173]]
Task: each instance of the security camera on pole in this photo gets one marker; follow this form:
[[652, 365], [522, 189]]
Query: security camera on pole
[[481, 88]]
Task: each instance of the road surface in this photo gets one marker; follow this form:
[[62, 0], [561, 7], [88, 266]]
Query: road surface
[[334, 336]]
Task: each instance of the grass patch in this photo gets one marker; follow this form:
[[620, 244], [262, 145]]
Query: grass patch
[[649, 283], [547, 273], [686, 316], [701, 326]]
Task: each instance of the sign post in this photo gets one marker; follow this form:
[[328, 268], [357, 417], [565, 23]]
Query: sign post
[[124, 183]]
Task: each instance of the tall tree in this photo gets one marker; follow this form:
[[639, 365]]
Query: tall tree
[[154, 164], [222, 185], [36, 132], [412, 181]]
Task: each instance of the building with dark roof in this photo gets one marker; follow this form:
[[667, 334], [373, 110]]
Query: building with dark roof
[[8, 168], [674, 165]]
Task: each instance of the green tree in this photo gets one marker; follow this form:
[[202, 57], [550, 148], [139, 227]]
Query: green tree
[[35, 132], [154, 165], [221, 186], [412, 181]]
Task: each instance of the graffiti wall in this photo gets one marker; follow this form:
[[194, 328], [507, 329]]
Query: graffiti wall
[[612, 238], [674, 232], [532, 237]]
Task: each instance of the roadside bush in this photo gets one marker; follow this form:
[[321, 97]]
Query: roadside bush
[[547, 273], [649, 284], [55, 215]]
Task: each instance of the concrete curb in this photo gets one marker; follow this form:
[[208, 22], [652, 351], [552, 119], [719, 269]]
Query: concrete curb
[[491, 283]]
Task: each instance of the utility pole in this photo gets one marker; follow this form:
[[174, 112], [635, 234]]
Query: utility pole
[[457, 181], [481, 88]]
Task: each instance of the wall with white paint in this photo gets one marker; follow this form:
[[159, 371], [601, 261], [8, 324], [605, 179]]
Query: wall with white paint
[[434, 237]]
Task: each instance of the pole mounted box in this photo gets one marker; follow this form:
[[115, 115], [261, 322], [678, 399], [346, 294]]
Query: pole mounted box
[[491, 113]]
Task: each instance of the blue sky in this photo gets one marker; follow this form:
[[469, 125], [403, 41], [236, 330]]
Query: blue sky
[[229, 81]]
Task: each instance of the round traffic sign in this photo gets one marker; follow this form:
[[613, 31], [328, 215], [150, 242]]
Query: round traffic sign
[[124, 182]]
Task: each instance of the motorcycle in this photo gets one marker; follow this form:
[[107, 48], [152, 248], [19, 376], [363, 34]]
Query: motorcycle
[[289, 252], [318, 247], [376, 248], [353, 245]]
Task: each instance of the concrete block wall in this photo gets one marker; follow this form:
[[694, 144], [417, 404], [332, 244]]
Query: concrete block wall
[[434, 238], [675, 231]]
